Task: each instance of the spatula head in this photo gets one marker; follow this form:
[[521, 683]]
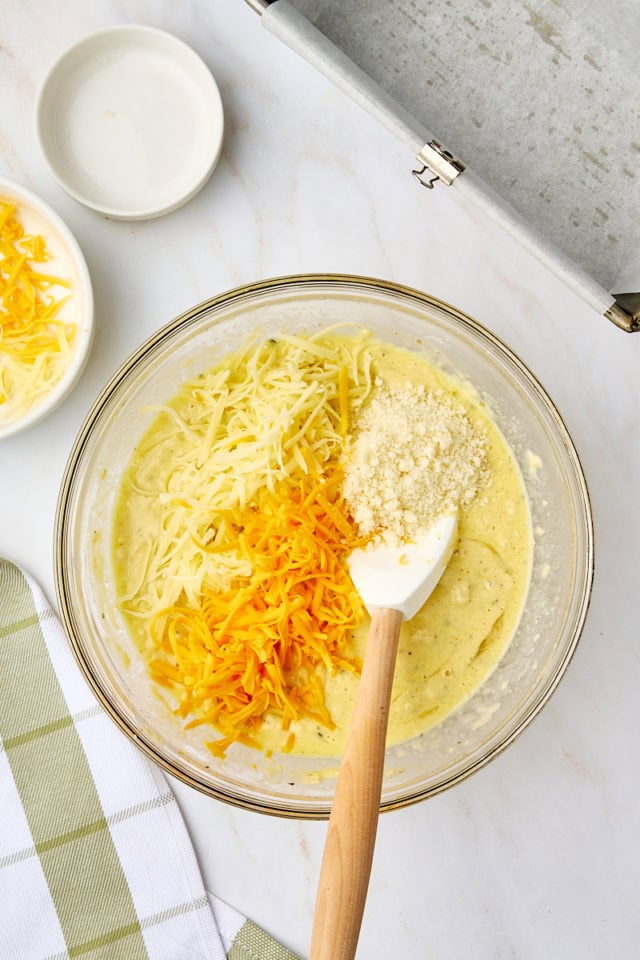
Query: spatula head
[[403, 578]]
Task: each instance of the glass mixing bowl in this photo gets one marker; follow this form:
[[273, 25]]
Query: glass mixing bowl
[[562, 563]]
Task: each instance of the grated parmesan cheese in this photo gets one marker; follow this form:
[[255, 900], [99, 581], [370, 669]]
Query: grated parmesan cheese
[[414, 456]]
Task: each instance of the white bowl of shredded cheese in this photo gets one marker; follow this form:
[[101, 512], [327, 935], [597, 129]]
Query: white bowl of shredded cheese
[[206, 349], [46, 309]]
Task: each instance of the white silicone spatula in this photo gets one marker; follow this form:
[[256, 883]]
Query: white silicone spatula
[[394, 583]]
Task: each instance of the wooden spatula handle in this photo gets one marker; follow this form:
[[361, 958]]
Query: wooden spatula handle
[[348, 852]]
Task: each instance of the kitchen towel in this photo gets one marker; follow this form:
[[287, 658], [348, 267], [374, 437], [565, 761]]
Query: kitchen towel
[[95, 858]]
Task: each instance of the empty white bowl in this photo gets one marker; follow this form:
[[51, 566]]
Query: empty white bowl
[[66, 260], [130, 122]]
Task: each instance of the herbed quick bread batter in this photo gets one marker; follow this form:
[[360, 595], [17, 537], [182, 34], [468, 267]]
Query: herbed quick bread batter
[[292, 409]]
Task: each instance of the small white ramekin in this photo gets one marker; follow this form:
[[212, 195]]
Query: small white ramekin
[[130, 122]]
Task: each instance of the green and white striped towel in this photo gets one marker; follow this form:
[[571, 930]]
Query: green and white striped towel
[[95, 859]]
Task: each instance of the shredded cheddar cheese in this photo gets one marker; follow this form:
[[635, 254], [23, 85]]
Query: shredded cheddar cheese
[[35, 345], [236, 578], [256, 647]]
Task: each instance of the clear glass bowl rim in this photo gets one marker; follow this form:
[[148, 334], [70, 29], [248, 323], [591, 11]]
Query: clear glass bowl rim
[[289, 284]]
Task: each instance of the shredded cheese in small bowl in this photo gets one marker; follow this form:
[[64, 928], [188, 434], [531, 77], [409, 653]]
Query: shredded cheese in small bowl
[[46, 309]]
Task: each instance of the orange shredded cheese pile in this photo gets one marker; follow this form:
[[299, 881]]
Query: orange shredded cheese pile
[[35, 345], [260, 647]]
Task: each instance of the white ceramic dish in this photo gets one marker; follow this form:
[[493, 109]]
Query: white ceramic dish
[[66, 260], [130, 122]]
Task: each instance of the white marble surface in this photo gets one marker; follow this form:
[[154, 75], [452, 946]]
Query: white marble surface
[[537, 855]]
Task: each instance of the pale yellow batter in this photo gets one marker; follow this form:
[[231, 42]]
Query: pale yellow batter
[[455, 641]]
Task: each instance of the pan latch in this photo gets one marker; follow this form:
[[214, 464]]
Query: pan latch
[[438, 163], [625, 312]]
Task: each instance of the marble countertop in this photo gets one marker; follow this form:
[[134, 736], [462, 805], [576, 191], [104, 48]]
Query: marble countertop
[[538, 854]]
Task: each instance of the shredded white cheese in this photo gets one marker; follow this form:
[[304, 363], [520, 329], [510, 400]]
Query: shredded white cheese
[[270, 410]]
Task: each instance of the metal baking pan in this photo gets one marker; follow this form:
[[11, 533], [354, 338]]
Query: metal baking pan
[[530, 111]]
